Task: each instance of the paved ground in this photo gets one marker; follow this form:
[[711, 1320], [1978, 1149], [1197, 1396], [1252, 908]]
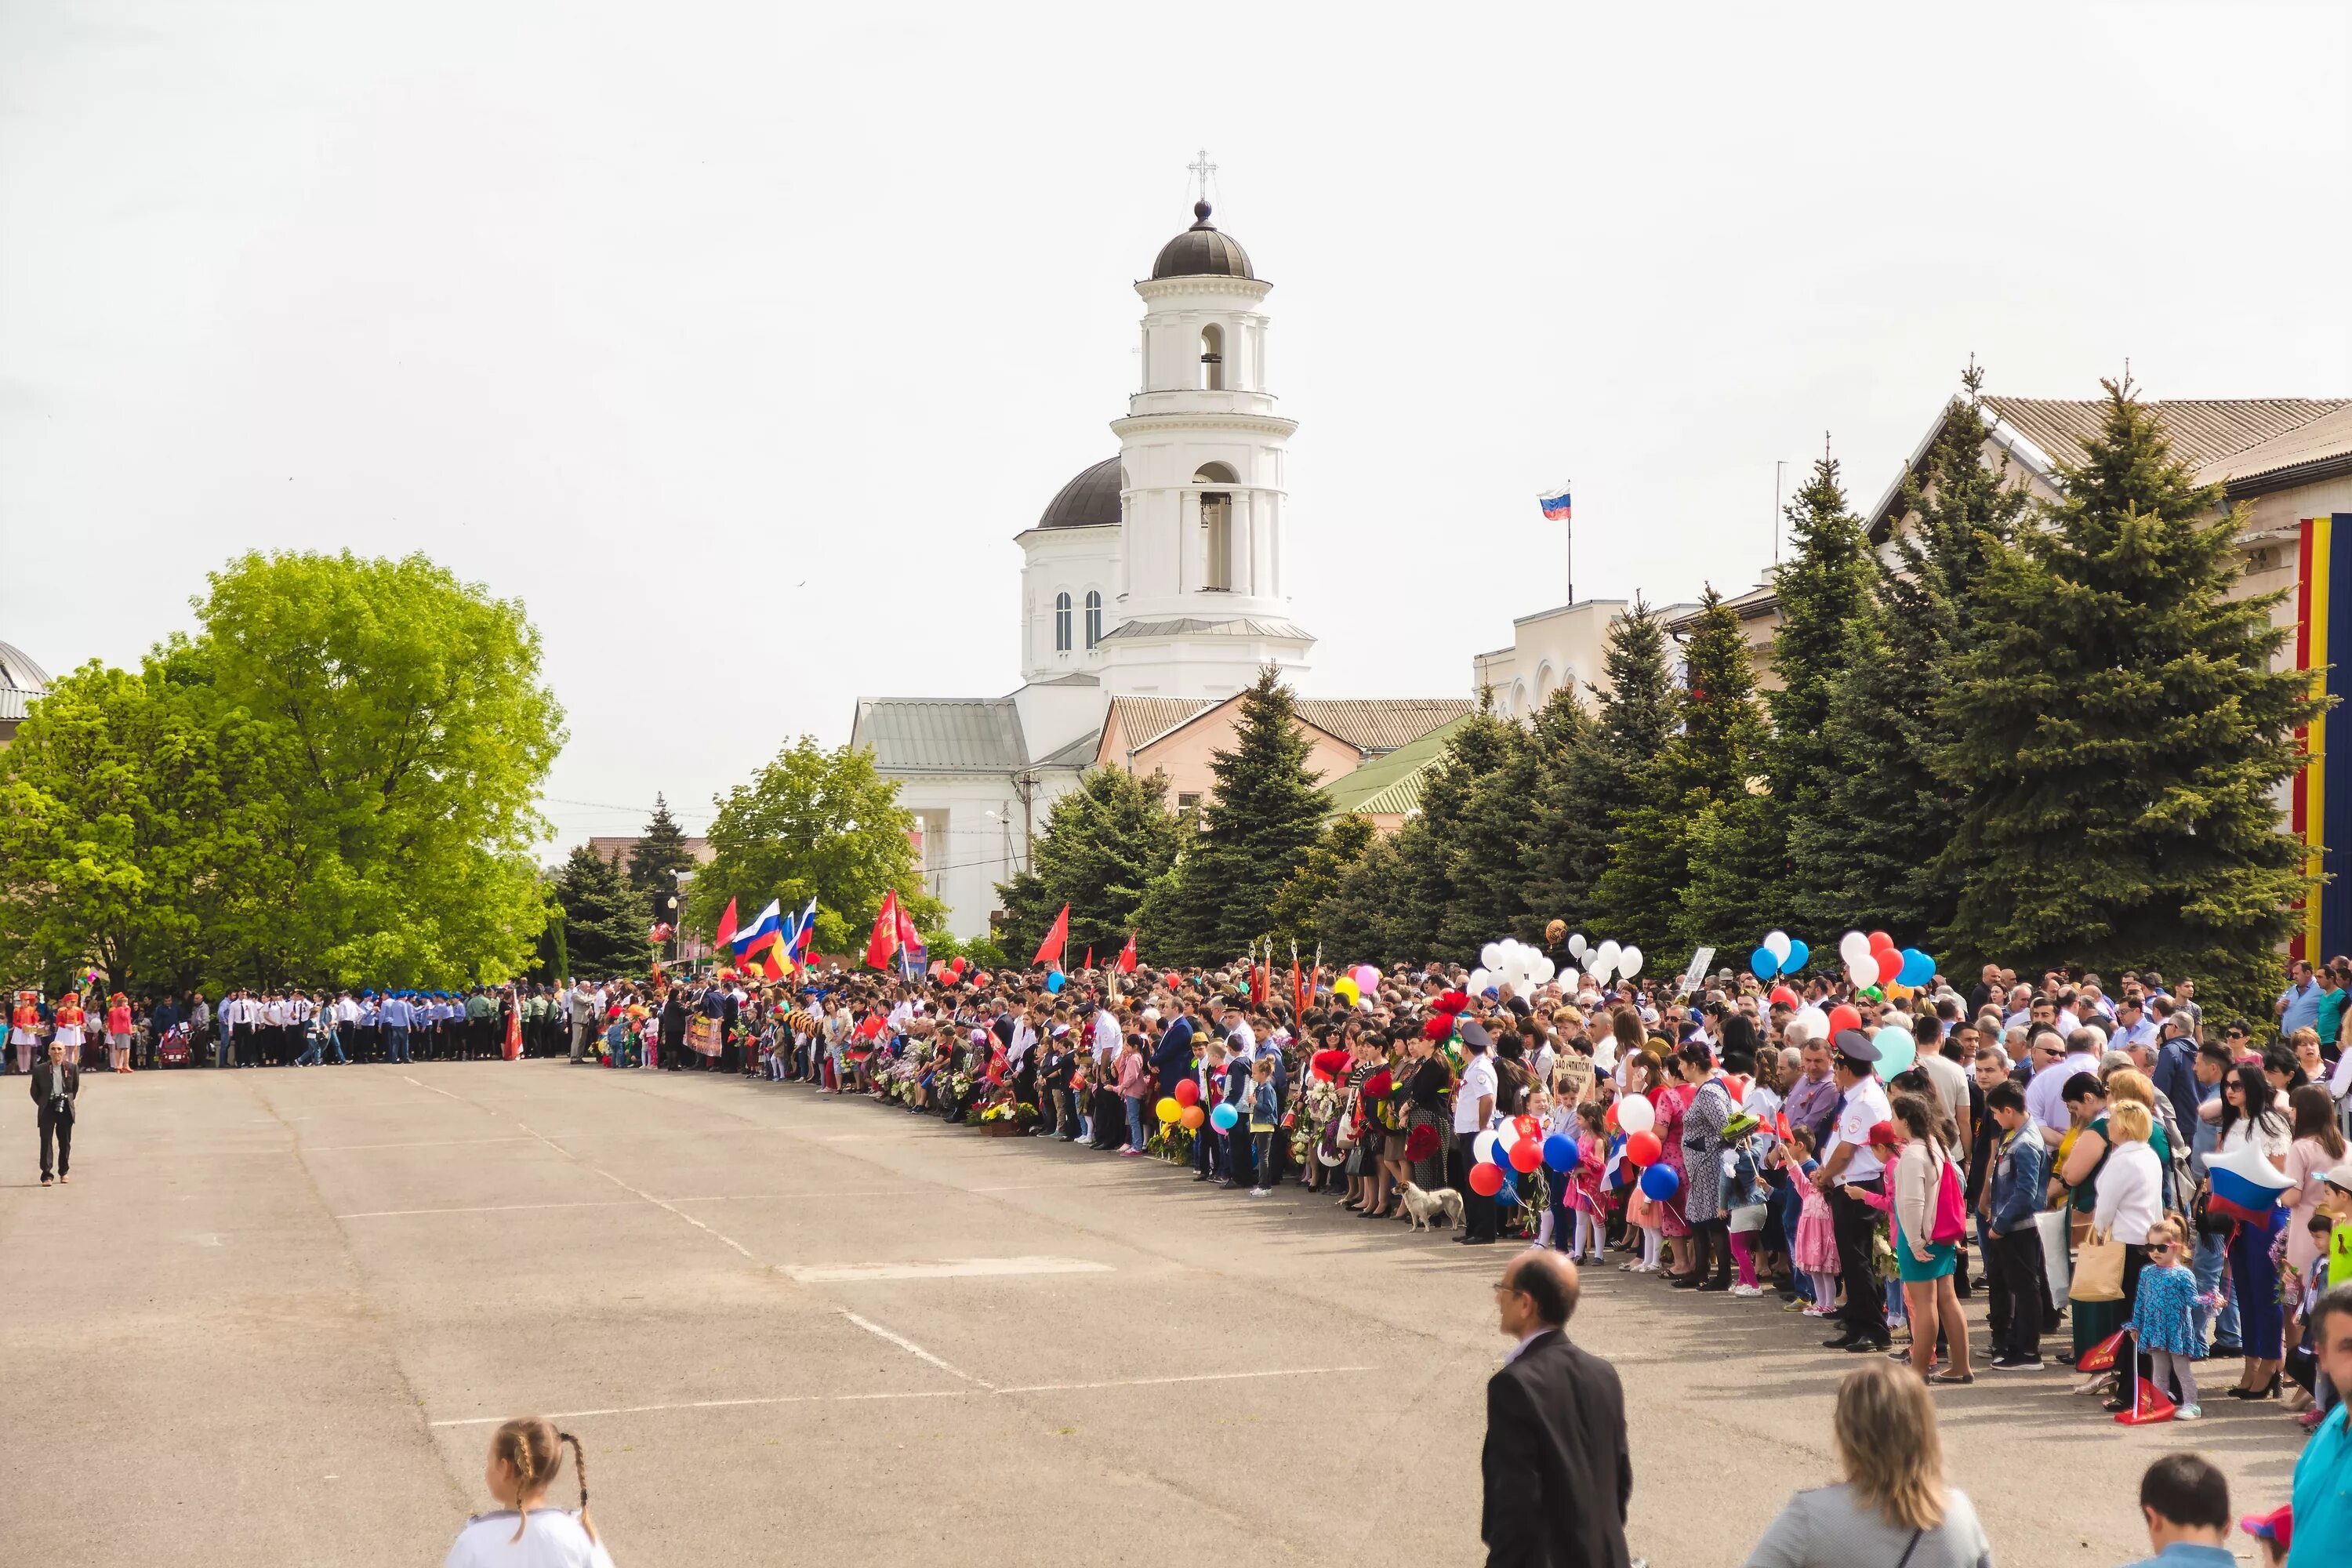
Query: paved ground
[[274, 1315]]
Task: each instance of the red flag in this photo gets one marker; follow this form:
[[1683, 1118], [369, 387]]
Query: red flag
[[1127, 955], [1298, 996], [1050, 950], [884, 940], [726, 926], [1090, 956], [908, 935]]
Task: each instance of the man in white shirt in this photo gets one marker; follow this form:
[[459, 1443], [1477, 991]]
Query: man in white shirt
[[1241, 1040], [1473, 1108], [2054, 1064], [1850, 1160]]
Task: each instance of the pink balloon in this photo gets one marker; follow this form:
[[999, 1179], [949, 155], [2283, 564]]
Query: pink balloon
[[1368, 979]]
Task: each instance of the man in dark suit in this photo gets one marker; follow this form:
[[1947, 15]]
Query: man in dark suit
[[1556, 1472], [55, 1083]]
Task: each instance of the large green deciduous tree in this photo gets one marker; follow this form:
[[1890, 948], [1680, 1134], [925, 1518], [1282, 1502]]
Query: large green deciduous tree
[[2118, 735], [814, 821], [1105, 843]]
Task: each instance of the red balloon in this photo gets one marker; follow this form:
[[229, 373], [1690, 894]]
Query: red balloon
[[1783, 997], [1844, 1017], [1525, 1155], [1642, 1148], [1486, 1180], [1879, 938], [1187, 1092], [957, 968]]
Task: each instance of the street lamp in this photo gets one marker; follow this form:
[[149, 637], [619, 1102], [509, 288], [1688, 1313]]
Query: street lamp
[[672, 929]]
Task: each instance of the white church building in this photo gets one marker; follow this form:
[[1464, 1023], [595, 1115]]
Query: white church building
[[1154, 577]]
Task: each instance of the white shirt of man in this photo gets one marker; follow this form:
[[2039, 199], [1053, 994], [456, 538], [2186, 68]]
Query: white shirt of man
[[1477, 1084], [2045, 1093], [1243, 1041], [1865, 1108], [1024, 1036], [1107, 1038]]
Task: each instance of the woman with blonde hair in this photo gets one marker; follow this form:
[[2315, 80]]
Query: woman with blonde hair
[[1893, 1506]]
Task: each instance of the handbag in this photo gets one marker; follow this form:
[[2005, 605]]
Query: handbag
[[1951, 1218], [2098, 1270]]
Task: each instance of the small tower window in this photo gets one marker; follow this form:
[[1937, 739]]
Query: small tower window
[[1094, 617], [1213, 357], [1216, 528], [1061, 622]]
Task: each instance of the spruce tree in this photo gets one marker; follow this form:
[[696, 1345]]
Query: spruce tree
[[1552, 760], [1356, 922], [1479, 830], [1890, 816], [1602, 786], [605, 920], [1297, 914], [1716, 764], [659, 853], [1824, 591], [1267, 813], [2119, 734], [1103, 845]]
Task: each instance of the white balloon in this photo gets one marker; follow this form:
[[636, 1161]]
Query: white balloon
[[1776, 942], [1482, 1148], [1853, 945], [1491, 955], [1608, 955], [1865, 971], [1812, 1022], [1600, 971], [1629, 962], [1636, 1114], [1576, 945], [1544, 968], [1507, 1136], [1479, 981]]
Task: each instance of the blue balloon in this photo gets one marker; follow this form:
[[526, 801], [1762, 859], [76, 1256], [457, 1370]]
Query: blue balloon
[[1917, 968], [1762, 964], [1224, 1118], [1559, 1152], [1506, 1194], [1661, 1182], [1798, 953], [1054, 982]]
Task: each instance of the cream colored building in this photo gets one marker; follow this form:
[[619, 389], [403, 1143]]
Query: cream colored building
[[22, 683]]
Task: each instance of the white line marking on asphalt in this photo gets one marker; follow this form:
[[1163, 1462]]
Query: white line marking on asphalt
[[1048, 1187], [493, 1208], [420, 1143], [915, 1394], [657, 1203], [421, 1084], [1192, 1377], [912, 1349], [945, 1269], [827, 1193]]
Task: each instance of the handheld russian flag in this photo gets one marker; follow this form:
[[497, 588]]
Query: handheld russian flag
[[2246, 1185], [1555, 507]]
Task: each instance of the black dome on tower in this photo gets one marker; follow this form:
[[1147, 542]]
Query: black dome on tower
[[1202, 251], [1089, 500]]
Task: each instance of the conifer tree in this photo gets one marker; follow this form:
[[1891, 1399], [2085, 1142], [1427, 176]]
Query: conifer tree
[[1716, 764], [1267, 813], [1103, 844], [659, 853], [1551, 766], [1603, 784], [1478, 827], [1297, 914], [1825, 592], [604, 923], [1357, 923], [2119, 734], [1890, 816]]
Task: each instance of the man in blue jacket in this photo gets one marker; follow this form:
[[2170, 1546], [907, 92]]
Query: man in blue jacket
[[2013, 1259], [1173, 1058]]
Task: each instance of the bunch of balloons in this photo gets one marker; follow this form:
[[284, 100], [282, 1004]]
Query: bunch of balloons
[[1184, 1108], [1607, 960], [1873, 960], [1512, 963], [1779, 954]]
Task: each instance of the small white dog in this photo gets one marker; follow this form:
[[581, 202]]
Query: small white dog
[[1425, 1206]]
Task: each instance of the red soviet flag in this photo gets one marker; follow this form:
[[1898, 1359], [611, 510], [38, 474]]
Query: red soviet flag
[[884, 940], [1050, 950], [726, 936], [1127, 955]]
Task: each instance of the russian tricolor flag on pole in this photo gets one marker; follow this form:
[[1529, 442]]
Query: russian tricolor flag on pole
[[1555, 507]]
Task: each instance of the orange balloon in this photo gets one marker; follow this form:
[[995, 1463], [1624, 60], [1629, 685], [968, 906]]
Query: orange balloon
[[1193, 1117]]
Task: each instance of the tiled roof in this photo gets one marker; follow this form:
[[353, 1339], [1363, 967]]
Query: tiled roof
[[2325, 438], [616, 847], [1382, 723], [2202, 430], [941, 735], [1146, 718], [1390, 784]]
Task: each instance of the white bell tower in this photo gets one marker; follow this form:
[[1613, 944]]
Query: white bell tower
[[1201, 600]]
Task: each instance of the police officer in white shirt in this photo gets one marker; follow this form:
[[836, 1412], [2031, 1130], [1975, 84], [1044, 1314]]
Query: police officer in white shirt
[[1848, 1159], [1474, 1107]]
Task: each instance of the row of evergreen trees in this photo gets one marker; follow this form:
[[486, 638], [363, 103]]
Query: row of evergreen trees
[[2036, 735]]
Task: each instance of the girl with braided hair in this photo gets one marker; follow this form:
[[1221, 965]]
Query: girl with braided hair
[[525, 1454]]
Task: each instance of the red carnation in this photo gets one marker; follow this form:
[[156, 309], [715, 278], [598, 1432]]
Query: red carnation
[[1420, 1144], [1377, 1086], [1453, 1002], [1329, 1064], [1438, 1027]]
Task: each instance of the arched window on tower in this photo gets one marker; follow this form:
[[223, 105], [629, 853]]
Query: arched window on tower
[[1213, 357], [1216, 528], [1061, 622], [1094, 617]]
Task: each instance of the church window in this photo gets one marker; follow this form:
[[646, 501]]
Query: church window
[[1061, 622], [1094, 617], [1216, 528], [1213, 357]]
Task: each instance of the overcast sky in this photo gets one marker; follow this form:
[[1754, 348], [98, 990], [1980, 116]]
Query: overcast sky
[[738, 340]]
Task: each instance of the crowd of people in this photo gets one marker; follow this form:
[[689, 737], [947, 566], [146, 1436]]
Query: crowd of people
[[2081, 1155]]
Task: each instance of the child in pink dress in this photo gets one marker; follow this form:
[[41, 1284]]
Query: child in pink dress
[[1586, 1200], [1813, 1252]]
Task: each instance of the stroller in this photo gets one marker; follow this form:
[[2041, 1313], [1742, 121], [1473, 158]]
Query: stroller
[[172, 1050]]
